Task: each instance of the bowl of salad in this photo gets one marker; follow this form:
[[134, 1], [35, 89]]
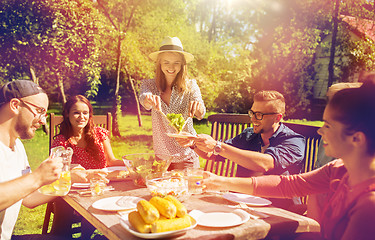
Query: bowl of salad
[[141, 165]]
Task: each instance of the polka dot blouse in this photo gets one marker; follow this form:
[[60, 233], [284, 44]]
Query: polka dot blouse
[[80, 155], [179, 103]]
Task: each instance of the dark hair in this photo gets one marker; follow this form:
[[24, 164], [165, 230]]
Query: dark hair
[[66, 128], [355, 108]]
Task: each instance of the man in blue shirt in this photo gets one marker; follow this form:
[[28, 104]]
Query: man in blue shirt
[[267, 148]]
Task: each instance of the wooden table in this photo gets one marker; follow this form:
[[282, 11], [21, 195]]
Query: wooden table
[[279, 222]]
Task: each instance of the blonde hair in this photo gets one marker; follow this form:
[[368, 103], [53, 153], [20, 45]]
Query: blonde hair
[[334, 88], [277, 99], [180, 80]]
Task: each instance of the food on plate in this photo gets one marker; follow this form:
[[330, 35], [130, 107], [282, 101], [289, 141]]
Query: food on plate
[[165, 207], [181, 210], [138, 223], [159, 222], [148, 212], [118, 175], [176, 120], [171, 224]]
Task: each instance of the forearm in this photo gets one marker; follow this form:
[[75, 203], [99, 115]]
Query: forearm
[[258, 162], [241, 185], [35, 199], [17, 189]]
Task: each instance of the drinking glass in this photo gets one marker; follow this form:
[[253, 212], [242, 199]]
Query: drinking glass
[[61, 186], [195, 178], [97, 186]]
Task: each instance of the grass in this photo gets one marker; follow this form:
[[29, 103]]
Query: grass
[[134, 139]]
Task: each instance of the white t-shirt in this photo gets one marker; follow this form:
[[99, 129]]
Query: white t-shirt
[[13, 164]]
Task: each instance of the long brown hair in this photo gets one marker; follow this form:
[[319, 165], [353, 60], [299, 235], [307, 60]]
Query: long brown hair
[[66, 128], [180, 80]]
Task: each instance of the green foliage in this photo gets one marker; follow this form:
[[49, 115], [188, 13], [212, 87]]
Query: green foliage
[[56, 39], [239, 46]]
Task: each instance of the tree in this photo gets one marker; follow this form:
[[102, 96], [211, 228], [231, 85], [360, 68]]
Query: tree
[[54, 39]]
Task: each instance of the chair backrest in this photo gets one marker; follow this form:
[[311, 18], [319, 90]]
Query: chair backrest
[[104, 121], [312, 142], [224, 127]]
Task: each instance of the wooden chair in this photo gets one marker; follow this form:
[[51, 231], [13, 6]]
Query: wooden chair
[[104, 121], [224, 127], [312, 142]]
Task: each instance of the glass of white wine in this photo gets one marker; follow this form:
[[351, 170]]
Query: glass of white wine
[[61, 186]]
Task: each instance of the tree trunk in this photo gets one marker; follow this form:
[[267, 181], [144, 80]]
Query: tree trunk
[[331, 70], [60, 83], [136, 99], [212, 30], [115, 128]]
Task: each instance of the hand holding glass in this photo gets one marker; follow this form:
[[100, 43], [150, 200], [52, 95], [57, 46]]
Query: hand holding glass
[[61, 186]]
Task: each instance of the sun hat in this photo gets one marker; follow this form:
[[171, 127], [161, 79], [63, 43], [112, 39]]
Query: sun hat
[[18, 89], [171, 44]]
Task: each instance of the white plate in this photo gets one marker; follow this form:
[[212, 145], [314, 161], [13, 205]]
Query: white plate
[[220, 216], [247, 199], [81, 185], [185, 135], [117, 177], [115, 168], [110, 204], [125, 223]]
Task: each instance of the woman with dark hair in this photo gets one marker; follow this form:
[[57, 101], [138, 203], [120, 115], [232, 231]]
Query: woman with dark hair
[[91, 145], [348, 134]]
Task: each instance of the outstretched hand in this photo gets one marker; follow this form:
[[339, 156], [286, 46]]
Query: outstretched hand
[[82, 175], [153, 101], [196, 109]]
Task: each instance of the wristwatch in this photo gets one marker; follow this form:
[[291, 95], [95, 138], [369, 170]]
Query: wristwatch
[[217, 148]]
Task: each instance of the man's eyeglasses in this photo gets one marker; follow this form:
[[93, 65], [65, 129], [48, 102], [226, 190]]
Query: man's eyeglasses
[[41, 112], [258, 115]]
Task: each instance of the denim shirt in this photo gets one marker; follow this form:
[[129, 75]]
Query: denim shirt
[[286, 147]]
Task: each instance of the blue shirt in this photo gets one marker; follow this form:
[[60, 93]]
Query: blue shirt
[[287, 149]]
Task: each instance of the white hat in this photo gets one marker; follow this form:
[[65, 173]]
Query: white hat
[[171, 44]]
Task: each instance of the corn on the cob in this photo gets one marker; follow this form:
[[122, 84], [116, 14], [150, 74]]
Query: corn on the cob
[[165, 207], [137, 222], [171, 224], [180, 208], [148, 212]]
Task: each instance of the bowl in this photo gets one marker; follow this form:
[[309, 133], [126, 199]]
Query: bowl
[[168, 183], [141, 165]]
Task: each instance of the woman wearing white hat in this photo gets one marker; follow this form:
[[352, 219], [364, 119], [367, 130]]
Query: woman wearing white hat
[[172, 92]]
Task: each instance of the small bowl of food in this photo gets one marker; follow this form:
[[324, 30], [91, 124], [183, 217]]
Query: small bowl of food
[[141, 165], [168, 183]]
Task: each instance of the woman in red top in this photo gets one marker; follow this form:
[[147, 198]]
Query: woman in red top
[[348, 133], [90, 144]]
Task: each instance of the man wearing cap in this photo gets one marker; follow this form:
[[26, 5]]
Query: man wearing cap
[[23, 107], [172, 92]]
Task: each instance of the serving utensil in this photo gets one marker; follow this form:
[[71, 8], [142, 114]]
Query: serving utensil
[[161, 112], [186, 121]]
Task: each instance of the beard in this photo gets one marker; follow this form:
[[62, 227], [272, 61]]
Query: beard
[[23, 128]]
